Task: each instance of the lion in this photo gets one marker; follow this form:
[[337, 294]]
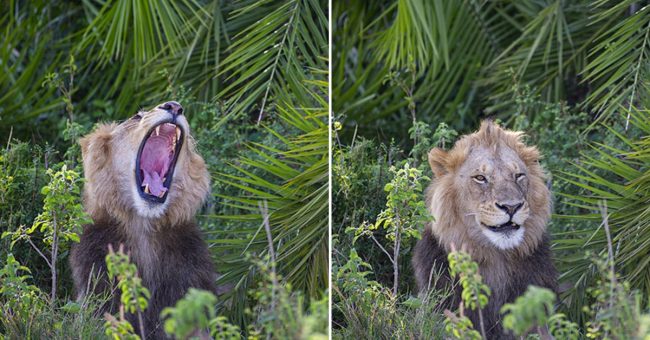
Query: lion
[[144, 183], [488, 197]]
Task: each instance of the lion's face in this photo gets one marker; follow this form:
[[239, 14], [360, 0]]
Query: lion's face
[[145, 167], [494, 183], [489, 191]]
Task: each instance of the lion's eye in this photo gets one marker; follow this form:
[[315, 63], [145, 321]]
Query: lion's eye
[[137, 116], [480, 179], [519, 176]]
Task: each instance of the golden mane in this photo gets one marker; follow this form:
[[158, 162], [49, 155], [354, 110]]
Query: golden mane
[[109, 165], [443, 196]]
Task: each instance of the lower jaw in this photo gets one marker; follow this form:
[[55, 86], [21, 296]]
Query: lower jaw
[[504, 229]]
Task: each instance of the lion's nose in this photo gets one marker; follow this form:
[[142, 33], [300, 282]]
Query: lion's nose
[[172, 107], [510, 209]]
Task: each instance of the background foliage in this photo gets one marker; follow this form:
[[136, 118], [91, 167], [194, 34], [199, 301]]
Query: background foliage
[[252, 78], [409, 75]]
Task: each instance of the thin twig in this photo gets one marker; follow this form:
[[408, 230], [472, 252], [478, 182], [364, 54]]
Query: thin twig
[[610, 249], [140, 320], [433, 267], [264, 210], [382, 248], [55, 250], [610, 252], [11, 132], [480, 316], [40, 253], [396, 258]]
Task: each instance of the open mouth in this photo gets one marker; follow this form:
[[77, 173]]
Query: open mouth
[[154, 166], [509, 226]]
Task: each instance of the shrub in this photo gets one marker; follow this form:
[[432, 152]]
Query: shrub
[[59, 223], [404, 212]]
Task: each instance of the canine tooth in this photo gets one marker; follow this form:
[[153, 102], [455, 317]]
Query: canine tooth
[[146, 189], [178, 133], [158, 130], [161, 194]]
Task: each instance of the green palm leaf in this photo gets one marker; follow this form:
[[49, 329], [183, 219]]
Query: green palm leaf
[[622, 180], [620, 60], [125, 35], [439, 60], [24, 63], [269, 55], [294, 183]]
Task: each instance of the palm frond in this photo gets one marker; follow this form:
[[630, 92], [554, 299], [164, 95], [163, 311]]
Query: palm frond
[[25, 63], [550, 48], [374, 42], [125, 35], [620, 178], [265, 56], [417, 34], [620, 61], [294, 183], [197, 64]]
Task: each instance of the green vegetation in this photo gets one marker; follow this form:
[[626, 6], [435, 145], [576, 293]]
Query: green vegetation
[[475, 293], [60, 221], [410, 75], [250, 76], [404, 211], [134, 297]]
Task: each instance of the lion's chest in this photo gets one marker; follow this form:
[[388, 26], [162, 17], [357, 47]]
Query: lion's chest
[[145, 255], [501, 280]]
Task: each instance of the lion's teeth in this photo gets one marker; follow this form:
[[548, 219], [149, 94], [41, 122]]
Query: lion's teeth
[[158, 130], [161, 194], [146, 189], [178, 133]]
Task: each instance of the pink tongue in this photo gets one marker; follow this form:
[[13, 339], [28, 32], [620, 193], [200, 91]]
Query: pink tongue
[[154, 162]]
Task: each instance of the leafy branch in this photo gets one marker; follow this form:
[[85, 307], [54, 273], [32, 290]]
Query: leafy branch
[[475, 293], [60, 221], [404, 212], [135, 297]]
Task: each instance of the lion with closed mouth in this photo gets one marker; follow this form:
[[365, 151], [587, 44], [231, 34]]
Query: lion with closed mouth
[[489, 197], [144, 183]]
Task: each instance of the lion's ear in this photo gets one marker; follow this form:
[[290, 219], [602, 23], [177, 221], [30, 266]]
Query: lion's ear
[[438, 161], [95, 147]]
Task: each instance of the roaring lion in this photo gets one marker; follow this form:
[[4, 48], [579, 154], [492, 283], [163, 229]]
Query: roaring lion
[[144, 182], [489, 197]]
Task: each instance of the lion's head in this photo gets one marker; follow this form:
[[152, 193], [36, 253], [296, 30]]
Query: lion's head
[[145, 168], [489, 193]]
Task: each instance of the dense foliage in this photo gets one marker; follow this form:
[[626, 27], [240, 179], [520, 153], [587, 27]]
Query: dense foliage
[[251, 78], [409, 75]]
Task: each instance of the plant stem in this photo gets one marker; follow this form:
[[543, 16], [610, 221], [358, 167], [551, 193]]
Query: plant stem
[[55, 250], [396, 259], [610, 255], [382, 249], [264, 210], [40, 253], [140, 321], [480, 317]]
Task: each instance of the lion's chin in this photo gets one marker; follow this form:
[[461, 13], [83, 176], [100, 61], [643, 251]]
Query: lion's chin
[[505, 239]]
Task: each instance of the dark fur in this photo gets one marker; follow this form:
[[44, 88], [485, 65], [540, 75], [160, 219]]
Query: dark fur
[[182, 260], [536, 269]]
